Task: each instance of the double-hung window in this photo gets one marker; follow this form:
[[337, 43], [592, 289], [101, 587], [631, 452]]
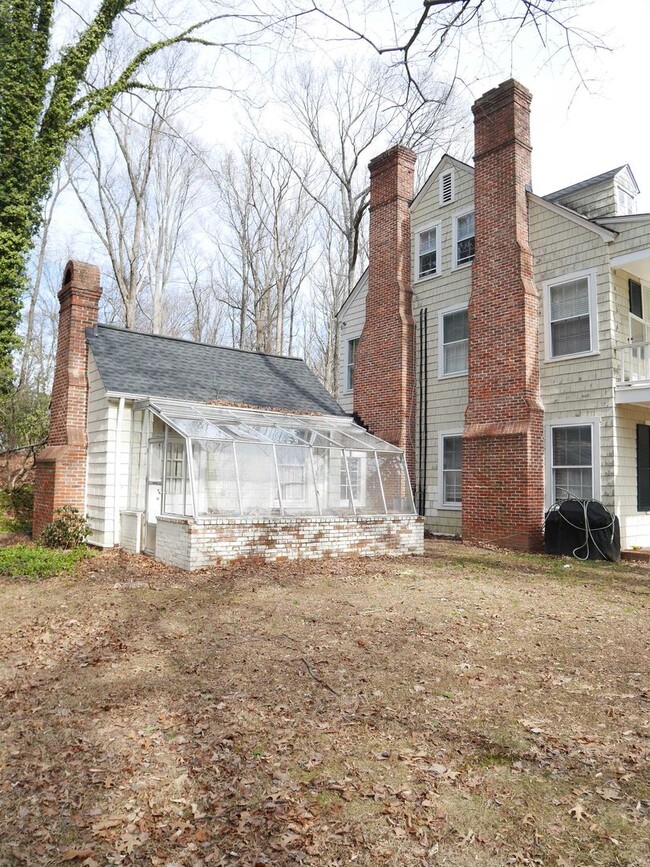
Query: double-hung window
[[427, 252], [453, 342], [463, 239], [451, 450], [349, 366], [572, 462], [571, 316]]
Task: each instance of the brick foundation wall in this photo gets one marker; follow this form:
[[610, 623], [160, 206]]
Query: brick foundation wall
[[503, 464], [190, 544], [384, 375], [60, 471]]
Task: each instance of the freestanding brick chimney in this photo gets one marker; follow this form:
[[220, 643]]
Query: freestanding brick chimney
[[503, 453], [61, 466], [384, 376]]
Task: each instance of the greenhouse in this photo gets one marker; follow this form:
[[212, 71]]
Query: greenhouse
[[208, 483], [216, 461]]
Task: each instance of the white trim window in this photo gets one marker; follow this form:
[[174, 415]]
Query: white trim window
[[450, 460], [453, 342], [350, 357], [571, 326], [572, 456], [447, 187], [463, 239], [427, 251]]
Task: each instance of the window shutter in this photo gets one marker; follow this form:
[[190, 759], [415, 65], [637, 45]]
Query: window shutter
[[636, 298], [643, 467]]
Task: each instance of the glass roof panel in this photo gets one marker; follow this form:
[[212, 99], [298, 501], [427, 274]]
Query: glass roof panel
[[279, 435], [198, 427], [205, 421]]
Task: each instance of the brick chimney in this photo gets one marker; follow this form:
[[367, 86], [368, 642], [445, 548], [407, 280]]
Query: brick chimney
[[384, 376], [61, 466], [503, 453]]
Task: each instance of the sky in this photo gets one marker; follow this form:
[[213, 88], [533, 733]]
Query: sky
[[589, 113], [588, 116]]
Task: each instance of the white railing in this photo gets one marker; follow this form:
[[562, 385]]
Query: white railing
[[635, 363]]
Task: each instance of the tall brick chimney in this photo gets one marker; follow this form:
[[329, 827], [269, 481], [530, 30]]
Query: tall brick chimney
[[384, 376], [503, 453], [61, 466]]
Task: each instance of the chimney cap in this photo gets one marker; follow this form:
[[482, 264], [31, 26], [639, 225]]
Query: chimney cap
[[80, 277]]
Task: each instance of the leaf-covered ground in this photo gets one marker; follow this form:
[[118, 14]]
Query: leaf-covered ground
[[468, 707]]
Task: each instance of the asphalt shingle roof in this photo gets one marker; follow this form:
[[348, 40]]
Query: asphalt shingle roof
[[149, 365]]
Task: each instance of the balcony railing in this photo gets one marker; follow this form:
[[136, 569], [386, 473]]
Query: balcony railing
[[634, 361]]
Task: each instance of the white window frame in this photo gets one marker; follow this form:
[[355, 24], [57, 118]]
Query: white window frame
[[418, 233], [452, 198], [442, 436], [625, 202], [349, 387], [593, 314], [456, 265], [549, 426], [441, 345]]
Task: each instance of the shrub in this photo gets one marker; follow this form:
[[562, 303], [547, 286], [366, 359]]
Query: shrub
[[69, 529], [33, 561]]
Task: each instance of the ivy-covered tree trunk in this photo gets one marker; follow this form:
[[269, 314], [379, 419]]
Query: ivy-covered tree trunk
[[43, 105]]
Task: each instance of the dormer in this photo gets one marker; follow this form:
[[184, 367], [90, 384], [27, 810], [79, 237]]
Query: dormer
[[612, 194]]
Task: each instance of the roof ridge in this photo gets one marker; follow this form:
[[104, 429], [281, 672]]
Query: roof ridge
[[196, 342]]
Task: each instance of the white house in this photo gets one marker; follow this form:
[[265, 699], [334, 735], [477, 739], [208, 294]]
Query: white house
[[536, 307]]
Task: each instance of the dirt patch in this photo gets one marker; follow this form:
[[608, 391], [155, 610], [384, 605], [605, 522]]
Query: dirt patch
[[467, 707]]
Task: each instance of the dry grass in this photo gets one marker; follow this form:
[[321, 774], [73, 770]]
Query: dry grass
[[468, 707]]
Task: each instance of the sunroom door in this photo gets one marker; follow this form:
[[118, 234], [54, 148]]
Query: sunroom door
[[154, 493]]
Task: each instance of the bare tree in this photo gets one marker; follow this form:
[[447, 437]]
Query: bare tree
[[264, 249], [137, 181]]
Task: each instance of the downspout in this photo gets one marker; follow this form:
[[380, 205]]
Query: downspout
[[116, 476]]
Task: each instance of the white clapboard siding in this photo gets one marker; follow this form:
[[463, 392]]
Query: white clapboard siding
[[351, 319]]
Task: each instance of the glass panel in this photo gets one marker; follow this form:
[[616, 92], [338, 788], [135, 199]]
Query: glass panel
[[455, 326], [277, 434], [570, 299], [399, 497], [573, 482], [174, 489], [332, 482], [571, 335], [365, 483], [428, 252], [215, 478], [572, 446], [296, 480], [257, 479], [199, 427]]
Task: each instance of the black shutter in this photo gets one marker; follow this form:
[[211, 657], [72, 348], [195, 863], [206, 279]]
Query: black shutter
[[636, 298], [643, 467]]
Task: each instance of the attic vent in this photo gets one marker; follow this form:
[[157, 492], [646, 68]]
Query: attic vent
[[446, 188]]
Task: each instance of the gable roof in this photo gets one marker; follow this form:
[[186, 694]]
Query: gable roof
[[444, 159], [150, 365], [597, 179], [597, 227]]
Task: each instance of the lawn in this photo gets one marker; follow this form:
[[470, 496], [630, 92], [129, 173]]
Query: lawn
[[468, 707]]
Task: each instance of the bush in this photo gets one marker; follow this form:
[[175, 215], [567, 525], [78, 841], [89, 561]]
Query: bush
[[33, 561], [69, 529]]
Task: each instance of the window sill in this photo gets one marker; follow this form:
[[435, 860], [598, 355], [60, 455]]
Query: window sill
[[589, 354], [460, 373], [463, 266], [427, 277], [451, 507]]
